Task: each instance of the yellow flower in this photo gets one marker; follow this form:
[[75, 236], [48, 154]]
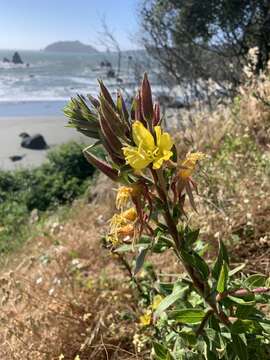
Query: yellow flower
[[156, 301], [145, 319], [148, 151], [188, 165]]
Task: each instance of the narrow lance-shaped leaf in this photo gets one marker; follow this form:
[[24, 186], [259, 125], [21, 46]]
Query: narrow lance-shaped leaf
[[223, 278], [116, 158], [140, 260], [109, 135], [112, 117], [105, 93], [222, 256], [187, 316], [101, 165], [255, 280], [170, 300], [239, 347]]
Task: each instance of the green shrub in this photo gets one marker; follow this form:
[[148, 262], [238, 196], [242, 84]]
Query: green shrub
[[58, 181]]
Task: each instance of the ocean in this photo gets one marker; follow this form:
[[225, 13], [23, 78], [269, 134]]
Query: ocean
[[44, 83]]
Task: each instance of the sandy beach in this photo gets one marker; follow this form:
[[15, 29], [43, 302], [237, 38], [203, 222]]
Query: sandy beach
[[51, 127]]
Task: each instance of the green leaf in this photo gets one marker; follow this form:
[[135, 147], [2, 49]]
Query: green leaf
[[255, 280], [201, 266], [197, 262], [169, 300], [243, 311], [222, 257], [187, 316], [242, 326], [160, 352], [164, 288], [128, 247], [223, 278], [190, 236], [188, 336], [241, 301], [239, 347], [140, 260]]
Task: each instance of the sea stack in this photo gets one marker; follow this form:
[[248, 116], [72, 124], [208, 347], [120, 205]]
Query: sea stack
[[16, 59]]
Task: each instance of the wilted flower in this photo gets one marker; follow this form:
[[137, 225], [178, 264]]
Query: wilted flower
[[120, 233], [147, 150], [188, 165], [126, 193], [183, 182], [122, 225]]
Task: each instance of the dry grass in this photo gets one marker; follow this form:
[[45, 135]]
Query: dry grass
[[66, 296]]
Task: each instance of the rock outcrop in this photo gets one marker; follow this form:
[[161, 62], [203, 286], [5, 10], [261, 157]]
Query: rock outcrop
[[71, 47], [16, 58], [35, 142]]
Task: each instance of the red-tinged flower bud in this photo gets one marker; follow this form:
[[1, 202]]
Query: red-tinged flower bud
[[121, 107], [112, 117], [105, 93], [147, 103], [138, 109], [156, 120], [101, 165]]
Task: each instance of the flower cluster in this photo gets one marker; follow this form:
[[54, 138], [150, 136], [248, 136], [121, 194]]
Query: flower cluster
[[138, 152]]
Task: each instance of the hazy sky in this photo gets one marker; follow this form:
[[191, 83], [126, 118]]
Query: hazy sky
[[33, 24]]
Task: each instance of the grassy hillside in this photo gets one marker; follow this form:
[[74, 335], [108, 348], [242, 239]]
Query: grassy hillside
[[68, 298]]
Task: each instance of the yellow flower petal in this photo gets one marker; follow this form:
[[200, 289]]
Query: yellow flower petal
[[145, 319], [166, 142], [142, 137], [158, 163], [147, 151], [136, 158]]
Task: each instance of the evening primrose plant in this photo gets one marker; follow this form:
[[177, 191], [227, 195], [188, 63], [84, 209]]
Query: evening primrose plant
[[210, 311]]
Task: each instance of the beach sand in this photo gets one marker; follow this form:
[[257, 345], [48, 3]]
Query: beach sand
[[51, 127]]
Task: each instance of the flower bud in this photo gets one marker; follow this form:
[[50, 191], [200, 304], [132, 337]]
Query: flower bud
[[156, 120], [147, 103]]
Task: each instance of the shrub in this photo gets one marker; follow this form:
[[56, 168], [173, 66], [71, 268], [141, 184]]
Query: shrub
[[63, 177]]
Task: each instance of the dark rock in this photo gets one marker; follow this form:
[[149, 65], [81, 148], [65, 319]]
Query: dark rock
[[119, 80], [16, 59], [111, 73], [35, 142], [16, 157], [6, 60]]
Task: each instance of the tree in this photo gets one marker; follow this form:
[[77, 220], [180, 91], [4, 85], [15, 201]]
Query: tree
[[207, 39]]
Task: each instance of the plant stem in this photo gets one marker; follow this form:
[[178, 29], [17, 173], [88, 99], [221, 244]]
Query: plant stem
[[204, 321], [242, 292], [201, 286]]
